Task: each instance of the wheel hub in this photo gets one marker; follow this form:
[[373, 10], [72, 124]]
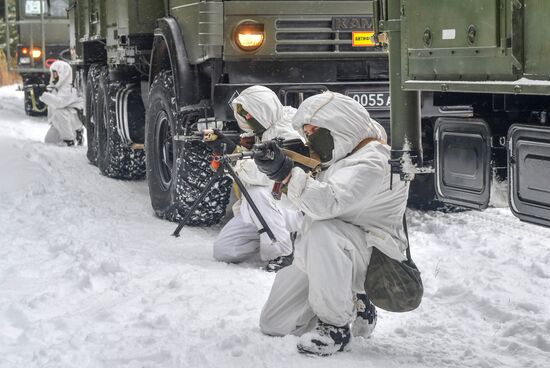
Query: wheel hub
[[164, 149]]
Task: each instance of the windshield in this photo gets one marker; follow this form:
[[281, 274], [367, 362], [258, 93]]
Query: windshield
[[52, 8]]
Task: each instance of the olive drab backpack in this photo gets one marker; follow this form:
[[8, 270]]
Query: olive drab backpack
[[393, 285]]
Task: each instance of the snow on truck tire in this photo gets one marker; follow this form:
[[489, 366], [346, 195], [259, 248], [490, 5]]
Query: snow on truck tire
[[115, 157], [91, 100], [178, 171]]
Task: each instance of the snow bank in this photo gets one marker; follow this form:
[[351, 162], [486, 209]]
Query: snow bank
[[89, 277]]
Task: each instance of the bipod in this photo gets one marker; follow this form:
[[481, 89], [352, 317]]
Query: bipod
[[225, 165]]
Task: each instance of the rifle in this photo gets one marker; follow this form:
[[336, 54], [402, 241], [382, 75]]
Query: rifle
[[222, 163], [263, 150]]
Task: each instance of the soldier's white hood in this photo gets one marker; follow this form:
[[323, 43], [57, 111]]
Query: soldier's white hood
[[264, 105], [348, 121], [65, 73]]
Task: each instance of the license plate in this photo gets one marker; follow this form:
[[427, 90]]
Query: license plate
[[372, 100]]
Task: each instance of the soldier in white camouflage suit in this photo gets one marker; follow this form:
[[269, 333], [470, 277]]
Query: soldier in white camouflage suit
[[349, 208]]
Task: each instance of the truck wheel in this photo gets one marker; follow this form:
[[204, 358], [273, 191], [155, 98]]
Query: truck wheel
[[177, 171], [91, 100], [115, 157]]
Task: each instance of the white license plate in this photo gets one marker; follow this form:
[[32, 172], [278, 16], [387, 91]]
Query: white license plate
[[372, 100]]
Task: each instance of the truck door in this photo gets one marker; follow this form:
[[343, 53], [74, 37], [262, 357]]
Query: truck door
[[529, 173], [462, 162]]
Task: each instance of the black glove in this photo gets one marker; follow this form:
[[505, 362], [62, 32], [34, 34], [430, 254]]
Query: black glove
[[217, 145], [273, 162]]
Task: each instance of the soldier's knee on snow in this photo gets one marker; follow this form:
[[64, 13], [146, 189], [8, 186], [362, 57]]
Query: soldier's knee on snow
[[220, 254], [269, 325]]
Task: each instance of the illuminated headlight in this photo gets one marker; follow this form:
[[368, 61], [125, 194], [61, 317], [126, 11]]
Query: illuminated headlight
[[249, 36], [24, 60], [36, 53]]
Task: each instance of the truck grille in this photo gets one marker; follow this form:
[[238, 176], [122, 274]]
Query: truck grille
[[313, 36]]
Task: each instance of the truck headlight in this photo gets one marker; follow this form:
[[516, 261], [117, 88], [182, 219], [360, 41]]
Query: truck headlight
[[35, 52], [249, 36]]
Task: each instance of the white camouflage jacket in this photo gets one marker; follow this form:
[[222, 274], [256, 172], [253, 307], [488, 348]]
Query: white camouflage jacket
[[354, 187]]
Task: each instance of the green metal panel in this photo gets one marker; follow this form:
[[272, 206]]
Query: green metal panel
[[146, 14], [293, 17], [187, 14], [74, 31], [537, 39], [97, 14], [509, 53], [405, 105], [463, 40], [83, 16], [109, 19], [56, 26], [128, 17]]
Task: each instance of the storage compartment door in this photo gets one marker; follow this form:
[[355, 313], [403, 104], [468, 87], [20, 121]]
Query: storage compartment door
[[529, 173], [463, 160]]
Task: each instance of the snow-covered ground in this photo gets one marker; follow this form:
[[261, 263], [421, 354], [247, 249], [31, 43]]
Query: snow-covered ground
[[89, 277]]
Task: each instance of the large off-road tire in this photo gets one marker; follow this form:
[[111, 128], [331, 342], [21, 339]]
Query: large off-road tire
[[90, 94], [177, 172], [115, 157]]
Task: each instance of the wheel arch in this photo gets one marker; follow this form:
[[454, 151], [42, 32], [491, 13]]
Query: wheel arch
[[169, 52]]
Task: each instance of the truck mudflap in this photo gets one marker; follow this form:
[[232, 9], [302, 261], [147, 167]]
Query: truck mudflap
[[463, 162], [529, 173]]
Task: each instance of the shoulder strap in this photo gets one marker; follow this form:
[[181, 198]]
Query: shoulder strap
[[407, 235], [364, 142]]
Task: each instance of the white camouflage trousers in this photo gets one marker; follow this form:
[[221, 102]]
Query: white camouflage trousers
[[64, 123], [239, 239], [330, 266]]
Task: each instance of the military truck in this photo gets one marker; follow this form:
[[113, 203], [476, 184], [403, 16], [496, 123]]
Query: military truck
[[156, 72], [491, 55], [43, 30]]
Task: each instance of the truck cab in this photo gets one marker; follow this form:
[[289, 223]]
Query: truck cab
[[154, 72]]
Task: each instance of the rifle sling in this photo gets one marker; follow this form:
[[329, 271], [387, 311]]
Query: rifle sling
[[304, 160]]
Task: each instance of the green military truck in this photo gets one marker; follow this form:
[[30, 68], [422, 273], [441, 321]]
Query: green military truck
[[43, 35], [155, 72], [493, 56]]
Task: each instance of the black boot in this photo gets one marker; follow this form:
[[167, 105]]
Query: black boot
[[280, 262], [324, 340], [365, 321]]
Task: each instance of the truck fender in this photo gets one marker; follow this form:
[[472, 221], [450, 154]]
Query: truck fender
[[169, 53]]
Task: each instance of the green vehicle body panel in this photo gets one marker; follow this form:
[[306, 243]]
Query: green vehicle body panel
[[299, 18], [55, 28], [467, 46], [188, 14], [507, 51], [108, 21], [493, 56], [537, 48], [104, 19], [207, 26]]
